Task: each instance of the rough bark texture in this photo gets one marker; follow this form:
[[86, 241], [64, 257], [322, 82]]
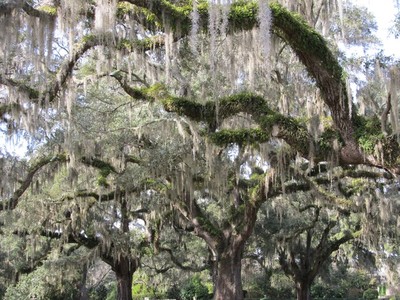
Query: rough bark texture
[[229, 281], [303, 289], [125, 265], [124, 269]]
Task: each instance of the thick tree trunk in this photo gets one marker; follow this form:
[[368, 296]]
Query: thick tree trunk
[[125, 266], [303, 290], [124, 286], [228, 282], [83, 292], [124, 269], [214, 272]]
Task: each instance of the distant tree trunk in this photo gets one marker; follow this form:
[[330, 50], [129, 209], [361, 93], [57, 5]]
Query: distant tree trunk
[[124, 269]]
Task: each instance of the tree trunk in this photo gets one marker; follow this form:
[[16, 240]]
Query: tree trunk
[[124, 286], [83, 292], [124, 269], [214, 271], [303, 290], [229, 283], [125, 266]]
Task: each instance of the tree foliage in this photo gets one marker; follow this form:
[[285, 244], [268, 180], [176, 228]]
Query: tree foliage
[[155, 119]]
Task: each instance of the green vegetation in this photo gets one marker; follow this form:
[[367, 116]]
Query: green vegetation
[[241, 137], [194, 288], [368, 133], [171, 155], [49, 9]]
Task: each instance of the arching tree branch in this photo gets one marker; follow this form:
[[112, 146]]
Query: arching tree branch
[[182, 266], [14, 200]]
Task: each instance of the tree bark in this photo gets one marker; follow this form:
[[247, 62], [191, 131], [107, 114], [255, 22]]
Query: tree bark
[[303, 288], [83, 292], [124, 269], [124, 286], [228, 282]]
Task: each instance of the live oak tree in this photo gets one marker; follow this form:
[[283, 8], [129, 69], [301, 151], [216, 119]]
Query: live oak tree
[[145, 47], [306, 244], [219, 207], [306, 228], [98, 201], [67, 278]]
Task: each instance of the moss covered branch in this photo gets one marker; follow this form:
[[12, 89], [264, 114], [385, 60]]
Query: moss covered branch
[[25, 183], [98, 197], [21, 87], [181, 265], [271, 123], [82, 239], [241, 137], [8, 108], [203, 227], [9, 6], [135, 93], [309, 46], [49, 94], [43, 12], [98, 164], [104, 168], [65, 71]]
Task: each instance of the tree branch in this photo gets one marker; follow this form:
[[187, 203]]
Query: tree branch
[[271, 123], [64, 72], [67, 67], [309, 46], [98, 164], [135, 93], [176, 261], [99, 197], [385, 113], [14, 200], [6, 8], [203, 227], [38, 13]]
